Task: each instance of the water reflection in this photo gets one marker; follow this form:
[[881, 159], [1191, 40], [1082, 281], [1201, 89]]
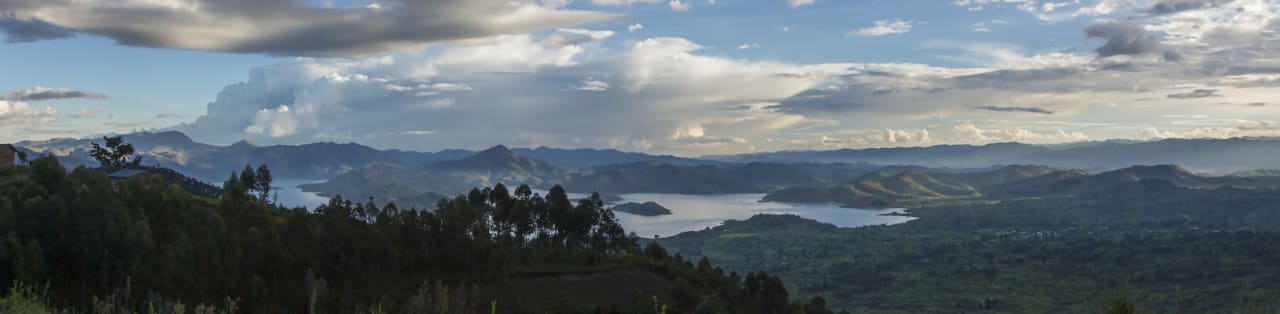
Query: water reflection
[[697, 212]]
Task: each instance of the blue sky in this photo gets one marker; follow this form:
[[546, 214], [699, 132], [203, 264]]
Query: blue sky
[[718, 76]]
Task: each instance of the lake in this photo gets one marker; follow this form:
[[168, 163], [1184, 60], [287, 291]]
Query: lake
[[689, 212], [697, 212], [289, 195]]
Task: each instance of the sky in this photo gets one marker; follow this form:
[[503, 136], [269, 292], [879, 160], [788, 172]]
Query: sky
[[679, 77]]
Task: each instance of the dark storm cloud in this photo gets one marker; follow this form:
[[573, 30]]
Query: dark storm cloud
[[290, 28], [1123, 38], [22, 31], [1015, 109]]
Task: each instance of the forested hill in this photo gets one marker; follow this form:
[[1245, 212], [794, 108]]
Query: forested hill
[[78, 242], [885, 189]]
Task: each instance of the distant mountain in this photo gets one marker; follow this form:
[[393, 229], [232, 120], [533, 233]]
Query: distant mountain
[[485, 168], [881, 188], [589, 158], [657, 177], [1210, 155], [1255, 173], [172, 149]]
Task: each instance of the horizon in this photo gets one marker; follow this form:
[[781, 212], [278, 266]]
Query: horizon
[[480, 148], [681, 78]]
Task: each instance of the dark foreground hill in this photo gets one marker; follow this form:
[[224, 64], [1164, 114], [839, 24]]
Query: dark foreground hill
[[76, 241]]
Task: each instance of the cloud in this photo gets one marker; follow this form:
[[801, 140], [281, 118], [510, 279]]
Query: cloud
[[633, 98], [167, 115], [621, 2], [39, 93], [969, 132], [593, 85], [1015, 109], [1176, 6], [678, 6], [1227, 129], [985, 27], [296, 28], [799, 3], [1198, 93], [1123, 38], [22, 31], [884, 27], [86, 113], [19, 113], [635, 27], [748, 46]]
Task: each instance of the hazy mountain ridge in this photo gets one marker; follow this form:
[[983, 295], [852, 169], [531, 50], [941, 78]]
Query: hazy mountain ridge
[[884, 189], [1216, 155], [323, 160]]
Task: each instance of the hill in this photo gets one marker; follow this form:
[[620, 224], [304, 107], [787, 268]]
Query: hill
[[88, 242], [1207, 155], [880, 188]]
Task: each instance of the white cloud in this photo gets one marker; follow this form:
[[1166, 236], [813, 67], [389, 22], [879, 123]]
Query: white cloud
[[678, 6], [884, 27], [621, 2], [799, 3], [20, 113], [634, 27], [984, 27], [748, 46], [591, 84], [637, 98]]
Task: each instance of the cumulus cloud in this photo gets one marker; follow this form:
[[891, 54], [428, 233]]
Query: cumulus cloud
[[635, 27], [20, 113], [883, 27], [969, 132], [678, 6], [1015, 109], [636, 98], [296, 28], [1123, 38], [39, 93]]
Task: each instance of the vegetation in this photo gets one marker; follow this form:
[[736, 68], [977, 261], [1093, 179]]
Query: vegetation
[[1163, 247], [643, 209], [137, 245], [116, 154]]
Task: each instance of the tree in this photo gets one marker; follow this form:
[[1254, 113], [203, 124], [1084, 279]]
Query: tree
[[263, 178], [248, 180], [116, 154]]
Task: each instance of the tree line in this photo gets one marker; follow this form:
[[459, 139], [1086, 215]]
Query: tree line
[[136, 245]]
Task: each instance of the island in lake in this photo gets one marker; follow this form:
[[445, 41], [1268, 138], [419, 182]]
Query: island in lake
[[643, 209]]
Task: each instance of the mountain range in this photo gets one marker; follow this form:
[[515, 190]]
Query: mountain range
[[863, 176], [1201, 155], [879, 189]]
